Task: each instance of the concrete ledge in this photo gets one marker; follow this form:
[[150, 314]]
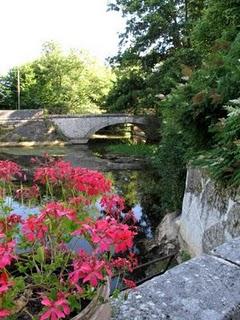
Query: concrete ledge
[[229, 251], [34, 143], [100, 115], [20, 114], [204, 288], [78, 141]]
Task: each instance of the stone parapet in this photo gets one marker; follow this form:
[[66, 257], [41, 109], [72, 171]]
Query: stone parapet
[[203, 288], [19, 115]]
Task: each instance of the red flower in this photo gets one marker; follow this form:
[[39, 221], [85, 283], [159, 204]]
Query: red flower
[[107, 233], [79, 200], [4, 284], [129, 283], [8, 170], [129, 218], [56, 172], [57, 210], [45, 174], [113, 205], [6, 253], [13, 219], [34, 229], [122, 237], [4, 313], [8, 223], [84, 180], [100, 235], [128, 263], [56, 309], [90, 270], [90, 182]]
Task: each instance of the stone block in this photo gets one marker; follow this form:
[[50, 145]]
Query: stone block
[[229, 251], [204, 288]]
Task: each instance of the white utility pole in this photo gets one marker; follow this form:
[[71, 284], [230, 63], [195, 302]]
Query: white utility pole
[[18, 90]]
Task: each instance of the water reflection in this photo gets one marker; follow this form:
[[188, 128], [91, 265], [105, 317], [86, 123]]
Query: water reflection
[[20, 209]]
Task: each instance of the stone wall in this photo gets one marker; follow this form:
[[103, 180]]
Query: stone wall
[[40, 130], [11, 116], [210, 214]]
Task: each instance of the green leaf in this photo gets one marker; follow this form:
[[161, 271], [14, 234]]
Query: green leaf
[[40, 256], [75, 304]]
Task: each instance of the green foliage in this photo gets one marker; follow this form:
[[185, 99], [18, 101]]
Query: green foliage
[[170, 164], [220, 20], [201, 101], [184, 255], [223, 160], [58, 82], [127, 93]]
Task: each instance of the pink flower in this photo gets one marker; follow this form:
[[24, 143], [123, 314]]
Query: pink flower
[[90, 182], [122, 237], [7, 224], [90, 270], [107, 233], [129, 283], [4, 284], [79, 200], [34, 229], [9, 169], [6, 253], [56, 309], [57, 210], [44, 175], [113, 205], [4, 313]]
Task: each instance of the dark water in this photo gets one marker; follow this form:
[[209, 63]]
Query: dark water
[[132, 179]]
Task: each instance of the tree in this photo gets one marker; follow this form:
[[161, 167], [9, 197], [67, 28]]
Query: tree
[[154, 28], [157, 41], [58, 82]]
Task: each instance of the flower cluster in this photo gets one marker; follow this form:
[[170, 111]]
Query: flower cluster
[[41, 255], [8, 170], [61, 173]]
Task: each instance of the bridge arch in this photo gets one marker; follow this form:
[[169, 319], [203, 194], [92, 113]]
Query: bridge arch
[[141, 124], [79, 129]]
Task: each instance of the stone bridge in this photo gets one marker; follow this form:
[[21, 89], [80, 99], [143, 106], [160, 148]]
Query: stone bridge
[[79, 129]]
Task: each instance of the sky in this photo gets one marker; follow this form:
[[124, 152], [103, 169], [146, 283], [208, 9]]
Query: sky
[[81, 24]]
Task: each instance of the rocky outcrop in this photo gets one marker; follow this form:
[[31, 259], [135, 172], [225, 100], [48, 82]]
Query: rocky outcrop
[[210, 214], [165, 241]]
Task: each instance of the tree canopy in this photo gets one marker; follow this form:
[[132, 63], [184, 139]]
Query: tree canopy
[[58, 82], [157, 32]]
